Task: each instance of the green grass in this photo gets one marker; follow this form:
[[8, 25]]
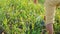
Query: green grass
[[23, 17]]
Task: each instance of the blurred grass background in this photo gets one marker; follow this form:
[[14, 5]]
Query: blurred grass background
[[24, 17]]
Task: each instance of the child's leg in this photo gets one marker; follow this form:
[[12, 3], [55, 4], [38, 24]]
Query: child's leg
[[50, 13], [49, 28]]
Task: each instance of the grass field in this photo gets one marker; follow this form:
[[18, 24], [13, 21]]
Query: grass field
[[24, 17]]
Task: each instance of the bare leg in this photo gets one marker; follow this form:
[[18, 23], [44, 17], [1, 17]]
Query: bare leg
[[49, 28]]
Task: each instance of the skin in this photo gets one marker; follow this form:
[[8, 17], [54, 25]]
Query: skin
[[35, 1], [50, 8]]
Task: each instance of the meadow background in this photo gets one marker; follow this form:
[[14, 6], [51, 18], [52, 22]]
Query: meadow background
[[24, 17]]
